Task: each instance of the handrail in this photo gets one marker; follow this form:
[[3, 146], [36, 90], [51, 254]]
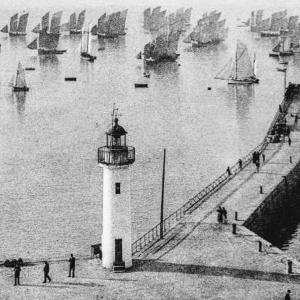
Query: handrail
[[169, 222]]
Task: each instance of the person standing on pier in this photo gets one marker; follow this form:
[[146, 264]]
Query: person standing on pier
[[263, 157], [257, 166], [46, 272], [240, 164], [224, 214], [228, 171], [287, 296], [17, 270], [72, 266], [220, 214], [289, 141]]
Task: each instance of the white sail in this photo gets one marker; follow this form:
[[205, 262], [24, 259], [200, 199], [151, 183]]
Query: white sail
[[20, 78]]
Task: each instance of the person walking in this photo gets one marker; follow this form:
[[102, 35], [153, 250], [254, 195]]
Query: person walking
[[263, 157], [240, 164], [224, 213], [228, 171], [287, 296], [46, 272], [17, 270], [289, 141], [257, 166], [72, 266], [220, 214]]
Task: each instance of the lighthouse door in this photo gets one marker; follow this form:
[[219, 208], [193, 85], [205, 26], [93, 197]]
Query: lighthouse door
[[118, 250]]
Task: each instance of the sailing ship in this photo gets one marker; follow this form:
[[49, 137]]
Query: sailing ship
[[283, 48], [85, 48], [240, 70], [48, 39], [111, 26], [76, 25], [295, 39], [255, 20], [20, 82], [278, 25], [208, 31], [17, 26], [163, 48], [47, 26]]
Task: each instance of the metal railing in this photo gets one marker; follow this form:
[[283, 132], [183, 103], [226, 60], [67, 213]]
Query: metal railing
[[169, 222], [116, 156]]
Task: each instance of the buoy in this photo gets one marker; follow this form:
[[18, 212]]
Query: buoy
[[209, 88]]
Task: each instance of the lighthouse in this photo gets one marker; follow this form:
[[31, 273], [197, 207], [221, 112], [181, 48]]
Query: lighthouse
[[115, 158]]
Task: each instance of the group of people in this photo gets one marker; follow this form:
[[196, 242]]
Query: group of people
[[46, 270], [256, 159], [222, 215]]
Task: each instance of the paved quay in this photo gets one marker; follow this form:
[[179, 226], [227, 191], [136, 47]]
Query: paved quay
[[198, 259]]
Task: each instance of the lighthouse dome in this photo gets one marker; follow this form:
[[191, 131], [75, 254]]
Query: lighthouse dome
[[116, 129]]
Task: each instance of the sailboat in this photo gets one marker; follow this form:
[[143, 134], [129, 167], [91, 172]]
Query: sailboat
[[283, 48], [85, 48], [17, 26], [20, 82], [77, 25], [241, 70]]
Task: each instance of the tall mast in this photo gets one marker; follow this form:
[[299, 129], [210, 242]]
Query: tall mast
[[236, 63]]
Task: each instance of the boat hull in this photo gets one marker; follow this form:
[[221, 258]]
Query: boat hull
[[243, 81], [269, 33], [151, 61], [87, 56], [110, 36], [274, 54], [50, 52], [21, 89], [75, 31], [202, 45], [286, 53], [17, 33]]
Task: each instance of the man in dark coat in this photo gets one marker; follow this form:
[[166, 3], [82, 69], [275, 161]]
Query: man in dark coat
[[46, 272], [72, 266], [287, 296], [17, 273]]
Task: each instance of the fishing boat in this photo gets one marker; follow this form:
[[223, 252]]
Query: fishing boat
[[46, 44], [17, 26], [20, 82], [208, 31], [76, 25], [113, 25], [284, 47], [85, 48], [241, 70], [277, 26], [163, 48], [46, 26]]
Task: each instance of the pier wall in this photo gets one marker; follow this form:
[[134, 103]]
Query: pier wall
[[277, 207]]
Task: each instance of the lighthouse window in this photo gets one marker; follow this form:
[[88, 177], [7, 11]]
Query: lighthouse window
[[118, 188]]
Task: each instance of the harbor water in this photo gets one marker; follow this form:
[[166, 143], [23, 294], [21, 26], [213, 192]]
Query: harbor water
[[51, 185]]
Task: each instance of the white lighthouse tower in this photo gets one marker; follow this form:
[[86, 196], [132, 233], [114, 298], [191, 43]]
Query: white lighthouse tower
[[115, 159]]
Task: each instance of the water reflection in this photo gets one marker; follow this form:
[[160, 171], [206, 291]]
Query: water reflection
[[17, 41], [20, 101]]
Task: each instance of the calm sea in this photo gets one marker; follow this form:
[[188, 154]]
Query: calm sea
[[51, 186]]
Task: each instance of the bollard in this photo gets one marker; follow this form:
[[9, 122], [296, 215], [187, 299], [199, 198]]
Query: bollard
[[233, 228], [290, 267], [261, 189], [259, 246], [291, 160], [236, 215]]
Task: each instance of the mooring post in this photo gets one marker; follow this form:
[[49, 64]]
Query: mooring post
[[261, 189], [233, 228], [236, 215], [290, 267], [259, 246]]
